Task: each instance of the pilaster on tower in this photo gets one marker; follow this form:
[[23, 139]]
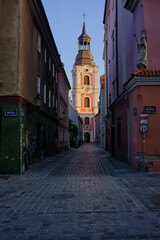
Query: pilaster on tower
[[85, 89]]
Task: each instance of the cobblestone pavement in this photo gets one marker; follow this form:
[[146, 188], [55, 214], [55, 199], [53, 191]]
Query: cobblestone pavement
[[82, 194]]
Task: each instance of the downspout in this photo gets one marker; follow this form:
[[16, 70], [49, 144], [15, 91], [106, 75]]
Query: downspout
[[117, 72], [128, 129], [112, 132]]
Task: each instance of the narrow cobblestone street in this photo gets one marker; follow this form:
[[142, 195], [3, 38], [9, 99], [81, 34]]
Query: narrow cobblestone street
[[82, 194]]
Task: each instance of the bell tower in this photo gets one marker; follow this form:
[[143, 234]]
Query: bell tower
[[85, 89]]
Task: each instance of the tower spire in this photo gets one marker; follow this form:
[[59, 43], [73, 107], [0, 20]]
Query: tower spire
[[84, 29]]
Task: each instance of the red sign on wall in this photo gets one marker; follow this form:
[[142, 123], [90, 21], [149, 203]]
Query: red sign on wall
[[143, 115]]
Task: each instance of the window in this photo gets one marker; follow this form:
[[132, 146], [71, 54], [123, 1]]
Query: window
[[60, 87], [81, 46], [39, 42], [86, 80], [53, 70], [45, 93], [112, 5], [49, 103], [53, 100], [45, 55], [56, 76], [86, 102], [85, 45], [38, 84], [86, 121], [50, 64]]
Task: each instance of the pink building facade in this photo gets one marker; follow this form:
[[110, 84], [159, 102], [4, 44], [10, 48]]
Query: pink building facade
[[131, 55]]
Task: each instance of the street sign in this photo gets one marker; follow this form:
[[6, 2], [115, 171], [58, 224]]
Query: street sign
[[10, 112], [150, 109], [144, 121], [143, 128], [143, 115], [134, 111]]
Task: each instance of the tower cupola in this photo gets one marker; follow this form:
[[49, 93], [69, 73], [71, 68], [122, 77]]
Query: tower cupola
[[84, 56]]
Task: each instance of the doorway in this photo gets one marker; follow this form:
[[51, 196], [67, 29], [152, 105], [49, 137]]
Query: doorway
[[87, 137]]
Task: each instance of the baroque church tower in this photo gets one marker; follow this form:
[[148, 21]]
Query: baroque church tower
[[84, 88]]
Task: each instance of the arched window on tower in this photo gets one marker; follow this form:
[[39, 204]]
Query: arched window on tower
[[85, 45], [86, 102], [86, 80], [81, 47], [88, 46], [87, 121]]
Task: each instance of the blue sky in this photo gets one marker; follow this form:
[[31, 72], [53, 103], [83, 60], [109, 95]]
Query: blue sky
[[66, 21]]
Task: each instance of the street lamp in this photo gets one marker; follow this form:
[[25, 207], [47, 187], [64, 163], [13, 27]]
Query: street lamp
[[63, 116], [38, 100]]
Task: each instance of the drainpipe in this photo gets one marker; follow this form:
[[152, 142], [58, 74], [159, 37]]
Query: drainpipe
[[116, 26], [128, 129], [117, 87]]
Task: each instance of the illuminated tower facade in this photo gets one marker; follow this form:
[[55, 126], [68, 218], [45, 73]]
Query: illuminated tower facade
[[84, 88]]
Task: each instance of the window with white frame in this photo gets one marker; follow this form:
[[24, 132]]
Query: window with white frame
[[49, 103], [38, 84], [45, 55], [45, 98], [39, 42]]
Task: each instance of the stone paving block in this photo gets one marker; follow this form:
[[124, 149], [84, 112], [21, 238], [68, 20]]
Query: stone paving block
[[70, 196]]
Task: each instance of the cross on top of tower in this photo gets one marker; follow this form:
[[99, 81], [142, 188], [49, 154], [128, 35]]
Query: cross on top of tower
[[84, 16]]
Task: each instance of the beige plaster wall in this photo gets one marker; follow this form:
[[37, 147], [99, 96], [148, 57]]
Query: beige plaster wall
[[9, 45], [28, 54]]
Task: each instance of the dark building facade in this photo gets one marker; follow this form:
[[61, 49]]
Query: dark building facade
[[30, 74]]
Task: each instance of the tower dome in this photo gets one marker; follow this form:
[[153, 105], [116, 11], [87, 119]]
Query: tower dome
[[84, 56]]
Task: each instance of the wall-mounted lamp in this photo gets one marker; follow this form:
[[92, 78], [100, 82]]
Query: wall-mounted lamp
[[63, 116], [38, 100]]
